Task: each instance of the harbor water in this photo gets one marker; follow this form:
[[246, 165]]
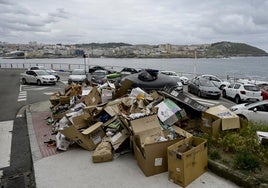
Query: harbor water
[[255, 68]]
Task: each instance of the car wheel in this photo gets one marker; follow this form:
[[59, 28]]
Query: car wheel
[[38, 82], [199, 93], [224, 94], [24, 82], [243, 118], [237, 99]]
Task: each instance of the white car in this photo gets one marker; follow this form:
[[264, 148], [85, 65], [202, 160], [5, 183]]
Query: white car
[[242, 92], [184, 80], [256, 112], [216, 81], [38, 76], [49, 71], [77, 76]]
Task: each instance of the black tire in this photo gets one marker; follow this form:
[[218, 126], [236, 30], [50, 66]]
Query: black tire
[[39, 82], [24, 82], [224, 94], [244, 119], [237, 99]]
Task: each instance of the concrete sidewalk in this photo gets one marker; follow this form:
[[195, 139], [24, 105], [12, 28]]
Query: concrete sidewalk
[[74, 167]]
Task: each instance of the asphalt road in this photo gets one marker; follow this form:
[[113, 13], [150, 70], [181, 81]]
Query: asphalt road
[[14, 97], [18, 170]]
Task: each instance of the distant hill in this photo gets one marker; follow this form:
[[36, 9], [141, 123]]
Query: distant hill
[[228, 49], [102, 45]]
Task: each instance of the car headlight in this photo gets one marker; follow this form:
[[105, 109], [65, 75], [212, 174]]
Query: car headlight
[[233, 109], [45, 78]]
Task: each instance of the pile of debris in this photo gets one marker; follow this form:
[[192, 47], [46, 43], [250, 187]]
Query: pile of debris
[[157, 126]]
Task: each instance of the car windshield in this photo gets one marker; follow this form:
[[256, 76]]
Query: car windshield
[[78, 72], [207, 83], [42, 72], [252, 88], [96, 73]]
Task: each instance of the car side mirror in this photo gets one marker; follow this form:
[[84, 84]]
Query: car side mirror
[[255, 110]]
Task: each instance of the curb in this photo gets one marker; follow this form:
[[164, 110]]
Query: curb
[[36, 154], [234, 176]]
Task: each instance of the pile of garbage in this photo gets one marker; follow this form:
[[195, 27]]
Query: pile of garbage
[[159, 127]]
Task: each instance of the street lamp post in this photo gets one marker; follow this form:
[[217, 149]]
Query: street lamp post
[[85, 56]]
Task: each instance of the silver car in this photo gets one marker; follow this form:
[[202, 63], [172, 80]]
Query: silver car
[[77, 76], [203, 88]]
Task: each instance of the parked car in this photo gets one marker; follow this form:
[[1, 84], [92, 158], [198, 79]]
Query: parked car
[[217, 81], [127, 71], [38, 76], [256, 112], [202, 87], [184, 80], [94, 68], [149, 79], [77, 76], [49, 71], [240, 92], [99, 77]]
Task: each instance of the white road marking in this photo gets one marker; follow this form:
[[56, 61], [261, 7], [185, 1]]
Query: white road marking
[[22, 96], [49, 93], [34, 88], [5, 142]]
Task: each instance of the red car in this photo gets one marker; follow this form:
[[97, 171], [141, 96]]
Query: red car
[[264, 92]]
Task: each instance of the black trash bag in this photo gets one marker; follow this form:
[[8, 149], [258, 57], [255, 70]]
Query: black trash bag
[[148, 75]]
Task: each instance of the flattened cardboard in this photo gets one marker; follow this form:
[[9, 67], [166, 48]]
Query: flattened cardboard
[[123, 89], [145, 123], [185, 166], [93, 98]]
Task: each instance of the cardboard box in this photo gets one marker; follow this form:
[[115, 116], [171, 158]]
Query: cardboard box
[[169, 112], [187, 160], [219, 118], [88, 139], [151, 155], [64, 99], [80, 121], [54, 99]]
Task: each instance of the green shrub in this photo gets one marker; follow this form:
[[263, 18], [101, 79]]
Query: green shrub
[[214, 155], [247, 161]]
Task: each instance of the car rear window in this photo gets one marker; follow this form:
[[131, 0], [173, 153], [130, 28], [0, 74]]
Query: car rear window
[[252, 88]]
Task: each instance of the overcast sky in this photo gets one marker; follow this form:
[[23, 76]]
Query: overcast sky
[[135, 21]]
